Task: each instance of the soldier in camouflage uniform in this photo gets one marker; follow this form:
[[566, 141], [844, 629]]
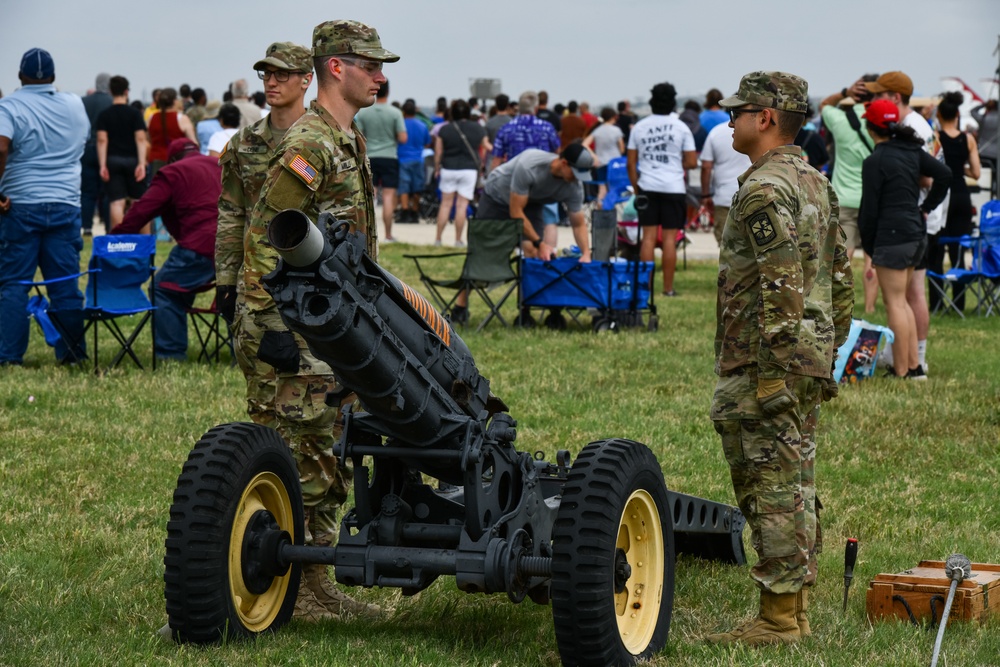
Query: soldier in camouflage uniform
[[784, 307], [242, 256], [319, 166]]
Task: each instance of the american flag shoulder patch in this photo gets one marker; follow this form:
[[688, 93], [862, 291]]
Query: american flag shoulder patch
[[301, 166]]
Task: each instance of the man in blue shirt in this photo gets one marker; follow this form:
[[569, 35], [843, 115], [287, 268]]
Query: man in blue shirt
[[42, 136], [524, 132], [412, 175]]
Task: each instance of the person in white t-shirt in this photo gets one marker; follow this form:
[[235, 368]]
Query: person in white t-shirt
[[229, 119], [898, 87], [608, 143], [660, 151], [721, 165]]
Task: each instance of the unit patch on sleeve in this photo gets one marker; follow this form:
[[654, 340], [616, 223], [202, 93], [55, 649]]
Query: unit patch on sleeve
[[766, 229]]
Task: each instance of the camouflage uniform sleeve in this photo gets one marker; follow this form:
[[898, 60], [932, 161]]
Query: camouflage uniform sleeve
[[291, 183], [843, 279], [774, 241], [232, 219]]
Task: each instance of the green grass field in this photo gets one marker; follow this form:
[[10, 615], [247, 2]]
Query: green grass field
[[88, 468]]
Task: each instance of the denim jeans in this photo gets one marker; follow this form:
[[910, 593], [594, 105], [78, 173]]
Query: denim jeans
[[184, 270], [45, 236]]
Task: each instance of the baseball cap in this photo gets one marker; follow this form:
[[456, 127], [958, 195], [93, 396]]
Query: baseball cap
[[580, 159], [37, 64], [286, 56], [341, 38], [178, 147], [771, 90], [881, 112], [893, 82]]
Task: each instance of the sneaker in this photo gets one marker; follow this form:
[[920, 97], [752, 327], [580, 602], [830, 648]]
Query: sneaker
[[917, 373], [437, 244], [459, 244], [460, 314], [670, 293], [389, 239]]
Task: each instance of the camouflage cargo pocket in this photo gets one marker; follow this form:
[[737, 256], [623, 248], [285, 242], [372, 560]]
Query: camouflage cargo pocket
[[776, 513]]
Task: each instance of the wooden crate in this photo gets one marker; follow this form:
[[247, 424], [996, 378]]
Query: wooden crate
[[975, 598]]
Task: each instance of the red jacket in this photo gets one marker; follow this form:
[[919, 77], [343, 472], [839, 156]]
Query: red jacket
[[186, 195]]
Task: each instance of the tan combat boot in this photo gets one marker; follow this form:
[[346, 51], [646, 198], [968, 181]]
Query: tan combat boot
[[801, 607], [309, 609], [315, 577], [775, 624]]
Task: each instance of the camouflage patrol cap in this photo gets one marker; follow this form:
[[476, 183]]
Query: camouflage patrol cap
[[772, 90], [286, 56], [341, 38]]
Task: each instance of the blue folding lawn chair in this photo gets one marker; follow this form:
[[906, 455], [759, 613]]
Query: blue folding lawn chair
[[618, 184], [982, 279], [120, 266]]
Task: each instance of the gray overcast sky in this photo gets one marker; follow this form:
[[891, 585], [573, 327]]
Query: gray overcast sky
[[594, 50]]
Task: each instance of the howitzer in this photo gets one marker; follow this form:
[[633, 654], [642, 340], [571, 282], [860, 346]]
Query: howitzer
[[595, 538]]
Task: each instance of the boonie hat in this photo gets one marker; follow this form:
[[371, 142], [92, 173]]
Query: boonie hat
[[286, 56], [212, 109], [342, 38], [881, 112], [580, 159], [893, 82], [663, 92], [37, 64], [771, 90]]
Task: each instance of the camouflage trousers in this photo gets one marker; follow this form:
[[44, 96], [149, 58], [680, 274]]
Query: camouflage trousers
[[772, 464], [294, 404]]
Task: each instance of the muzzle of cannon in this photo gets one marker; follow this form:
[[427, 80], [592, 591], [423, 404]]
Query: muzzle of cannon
[[594, 537]]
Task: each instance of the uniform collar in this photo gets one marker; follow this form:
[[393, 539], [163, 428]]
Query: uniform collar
[[787, 149], [338, 133], [262, 129]]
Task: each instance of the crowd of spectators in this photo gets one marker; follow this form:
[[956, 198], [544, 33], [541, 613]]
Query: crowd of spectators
[[446, 156]]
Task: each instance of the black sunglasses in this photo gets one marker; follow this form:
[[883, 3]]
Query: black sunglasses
[[736, 113]]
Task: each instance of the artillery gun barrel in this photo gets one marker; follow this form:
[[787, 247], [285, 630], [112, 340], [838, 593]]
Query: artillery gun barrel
[[384, 341]]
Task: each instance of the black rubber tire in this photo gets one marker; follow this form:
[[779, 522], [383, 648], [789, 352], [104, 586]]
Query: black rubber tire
[[606, 478], [233, 471], [601, 324], [555, 321]]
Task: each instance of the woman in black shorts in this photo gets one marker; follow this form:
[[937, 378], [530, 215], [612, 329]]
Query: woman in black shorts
[[893, 227]]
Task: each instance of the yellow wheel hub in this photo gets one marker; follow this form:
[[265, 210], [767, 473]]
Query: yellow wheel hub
[[264, 492], [639, 562]]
